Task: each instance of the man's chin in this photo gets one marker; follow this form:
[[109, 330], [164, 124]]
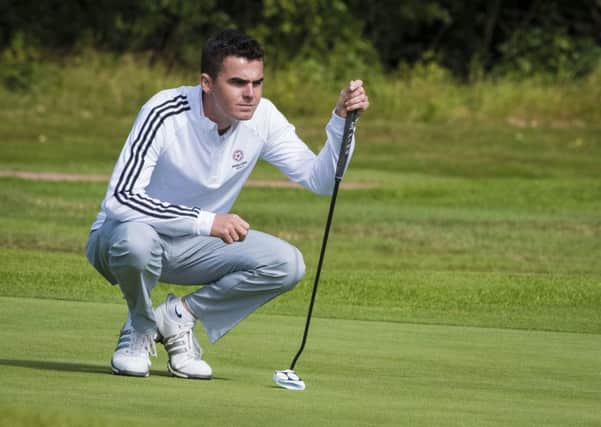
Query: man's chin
[[245, 115]]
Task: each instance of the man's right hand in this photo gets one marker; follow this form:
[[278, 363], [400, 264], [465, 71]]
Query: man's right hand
[[230, 228]]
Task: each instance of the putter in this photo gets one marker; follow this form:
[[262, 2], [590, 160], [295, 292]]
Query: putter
[[288, 378]]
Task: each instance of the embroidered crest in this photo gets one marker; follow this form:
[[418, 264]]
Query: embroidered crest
[[239, 161], [238, 155]]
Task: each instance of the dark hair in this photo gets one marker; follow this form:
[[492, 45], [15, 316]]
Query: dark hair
[[228, 43]]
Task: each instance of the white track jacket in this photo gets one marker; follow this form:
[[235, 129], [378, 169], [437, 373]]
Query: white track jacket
[[175, 171]]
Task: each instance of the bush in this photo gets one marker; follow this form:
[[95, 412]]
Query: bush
[[19, 67], [550, 53]]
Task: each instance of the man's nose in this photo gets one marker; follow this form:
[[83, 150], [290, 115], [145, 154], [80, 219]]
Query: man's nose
[[249, 91]]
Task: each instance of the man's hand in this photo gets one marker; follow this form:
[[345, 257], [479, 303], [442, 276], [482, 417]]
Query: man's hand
[[230, 228], [352, 97]]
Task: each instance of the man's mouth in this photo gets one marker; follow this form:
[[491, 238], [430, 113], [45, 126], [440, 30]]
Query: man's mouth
[[246, 108]]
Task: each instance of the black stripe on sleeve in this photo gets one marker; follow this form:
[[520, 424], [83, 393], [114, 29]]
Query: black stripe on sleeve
[[134, 165]]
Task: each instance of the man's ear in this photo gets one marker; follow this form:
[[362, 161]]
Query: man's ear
[[206, 82]]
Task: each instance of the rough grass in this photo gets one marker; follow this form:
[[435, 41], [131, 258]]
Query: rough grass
[[105, 92]]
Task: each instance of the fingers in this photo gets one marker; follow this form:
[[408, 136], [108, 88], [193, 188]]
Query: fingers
[[238, 231], [355, 84], [356, 97], [353, 97], [230, 228]]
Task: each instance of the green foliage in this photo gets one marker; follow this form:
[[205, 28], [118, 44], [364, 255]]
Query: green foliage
[[320, 32], [171, 30], [468, 38], [398, 30], [19, 64], [550, 53]]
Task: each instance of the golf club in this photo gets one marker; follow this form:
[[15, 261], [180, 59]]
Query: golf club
[[288, 378]]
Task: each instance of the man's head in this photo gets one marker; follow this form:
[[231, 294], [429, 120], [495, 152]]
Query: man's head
[[231, 77], [228, 43]]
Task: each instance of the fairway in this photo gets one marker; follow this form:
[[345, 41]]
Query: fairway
[[357, 373]]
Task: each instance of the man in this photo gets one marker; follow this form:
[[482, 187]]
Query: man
[[166, 215]]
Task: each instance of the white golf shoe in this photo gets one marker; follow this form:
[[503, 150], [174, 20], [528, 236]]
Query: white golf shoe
[[131, 357], [177, 335]]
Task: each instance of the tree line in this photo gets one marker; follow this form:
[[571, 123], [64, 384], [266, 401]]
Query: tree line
[[466, 37]]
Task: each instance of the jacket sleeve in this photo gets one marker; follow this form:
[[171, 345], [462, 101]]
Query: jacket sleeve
[[127, 199], [286, 151]]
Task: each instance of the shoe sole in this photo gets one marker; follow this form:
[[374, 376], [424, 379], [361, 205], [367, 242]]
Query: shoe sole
[[179, 374], [128, 373]]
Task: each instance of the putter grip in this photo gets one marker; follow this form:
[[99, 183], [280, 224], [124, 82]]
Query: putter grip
[[345, 147]]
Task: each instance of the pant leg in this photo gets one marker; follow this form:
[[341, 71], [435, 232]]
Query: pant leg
[[239, 277], [129, 254]]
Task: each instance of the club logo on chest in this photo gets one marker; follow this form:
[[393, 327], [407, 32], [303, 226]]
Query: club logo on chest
[[238, 155], [239, 161]]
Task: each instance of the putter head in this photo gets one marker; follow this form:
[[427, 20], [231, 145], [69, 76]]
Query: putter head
[[288, 379]]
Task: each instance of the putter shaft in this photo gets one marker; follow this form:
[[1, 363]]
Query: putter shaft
[[349, 127]]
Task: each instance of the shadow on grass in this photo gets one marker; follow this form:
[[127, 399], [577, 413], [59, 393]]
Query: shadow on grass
[[56, 366], [47, 365]]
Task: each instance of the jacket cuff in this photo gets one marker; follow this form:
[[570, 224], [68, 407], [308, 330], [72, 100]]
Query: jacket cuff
[[204, 223]]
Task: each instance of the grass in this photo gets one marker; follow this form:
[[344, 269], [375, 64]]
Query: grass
[[461, 288], [423, 249], [389, 374]]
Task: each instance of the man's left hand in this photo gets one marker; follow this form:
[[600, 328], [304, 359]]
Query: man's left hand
[[352, 97]]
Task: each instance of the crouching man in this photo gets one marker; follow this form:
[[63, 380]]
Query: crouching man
[[166, 214]]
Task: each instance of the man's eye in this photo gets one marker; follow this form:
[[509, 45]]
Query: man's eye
[[236, 82]]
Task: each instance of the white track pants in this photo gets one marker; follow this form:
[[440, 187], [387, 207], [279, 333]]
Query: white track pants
[[238, 278]]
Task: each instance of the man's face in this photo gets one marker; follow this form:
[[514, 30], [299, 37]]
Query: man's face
[[236, 92]]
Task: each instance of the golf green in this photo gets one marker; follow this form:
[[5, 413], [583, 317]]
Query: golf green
[[54, 368]]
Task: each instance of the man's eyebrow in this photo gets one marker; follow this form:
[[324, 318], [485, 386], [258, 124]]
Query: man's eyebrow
[[239, 80]]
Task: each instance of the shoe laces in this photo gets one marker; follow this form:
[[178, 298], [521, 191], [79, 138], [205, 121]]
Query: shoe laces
[[136, 343], [184, 343], [150, 346]]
